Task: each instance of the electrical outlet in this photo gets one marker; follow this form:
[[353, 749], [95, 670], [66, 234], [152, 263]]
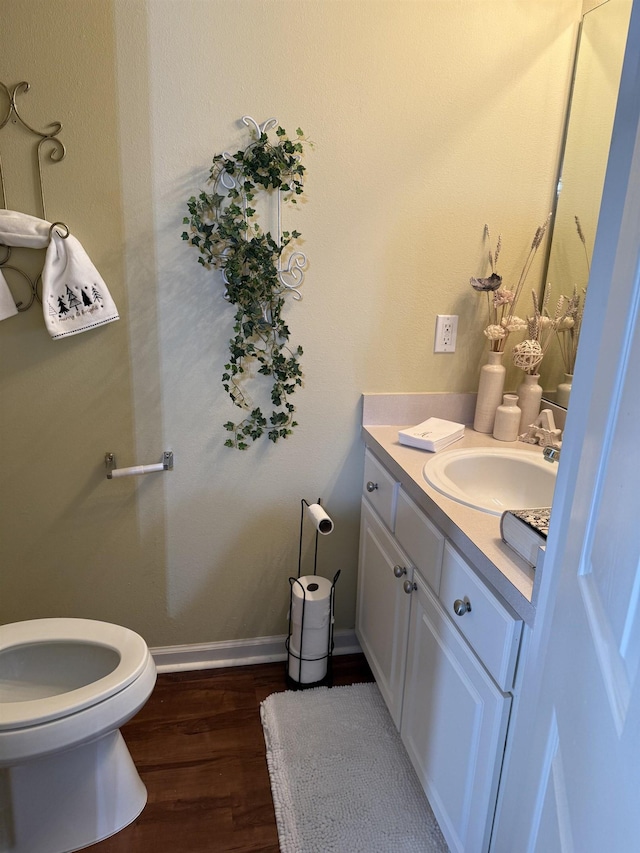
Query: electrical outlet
[[446, 333]]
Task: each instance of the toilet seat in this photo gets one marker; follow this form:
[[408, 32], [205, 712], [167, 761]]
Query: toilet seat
[[130, 647]]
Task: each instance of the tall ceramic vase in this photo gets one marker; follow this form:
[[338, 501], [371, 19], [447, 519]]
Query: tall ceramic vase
[[490, 390], [564, 390], [529, 399]]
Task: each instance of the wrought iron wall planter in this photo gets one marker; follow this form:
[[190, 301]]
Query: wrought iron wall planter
[[258, 270]]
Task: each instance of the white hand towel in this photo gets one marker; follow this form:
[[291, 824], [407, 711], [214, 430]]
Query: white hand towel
[[7, 305], [74, 295]]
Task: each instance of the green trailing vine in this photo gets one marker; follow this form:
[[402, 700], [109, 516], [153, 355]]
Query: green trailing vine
[[223, 227]]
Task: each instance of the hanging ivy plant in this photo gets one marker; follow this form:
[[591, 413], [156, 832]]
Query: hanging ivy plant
[[223, 227]]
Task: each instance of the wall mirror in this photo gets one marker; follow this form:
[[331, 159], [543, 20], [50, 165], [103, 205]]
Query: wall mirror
[[594, 94]]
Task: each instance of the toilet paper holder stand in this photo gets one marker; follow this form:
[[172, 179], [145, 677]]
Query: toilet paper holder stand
[[296, 684]]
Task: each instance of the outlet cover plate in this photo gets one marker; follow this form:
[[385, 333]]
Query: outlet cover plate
[[446, 333]]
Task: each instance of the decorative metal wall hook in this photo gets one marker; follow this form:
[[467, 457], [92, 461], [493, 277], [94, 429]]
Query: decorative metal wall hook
[[31, 285], [48, 137], [54, 128], [59, 225], [259, 128]]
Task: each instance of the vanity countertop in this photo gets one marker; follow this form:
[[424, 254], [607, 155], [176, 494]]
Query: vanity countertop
[[476, 534]]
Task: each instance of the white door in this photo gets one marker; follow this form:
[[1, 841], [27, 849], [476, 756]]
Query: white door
[[572, 780]]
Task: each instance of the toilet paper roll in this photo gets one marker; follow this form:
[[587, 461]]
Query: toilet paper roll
[[311, 594], [306, 671], [315, 643], [321, 520], [309, 638]]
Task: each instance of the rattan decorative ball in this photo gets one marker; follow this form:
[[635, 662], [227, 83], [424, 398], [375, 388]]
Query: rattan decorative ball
[[527, 355]]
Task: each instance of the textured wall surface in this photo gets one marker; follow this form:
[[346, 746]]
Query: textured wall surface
[[429, 118]]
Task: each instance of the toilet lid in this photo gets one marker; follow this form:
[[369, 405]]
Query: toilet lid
[[129, 660]]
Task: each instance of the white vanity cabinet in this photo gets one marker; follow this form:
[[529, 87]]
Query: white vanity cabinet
[[443, 650], [454, 715], [386, 576], [382, 620]]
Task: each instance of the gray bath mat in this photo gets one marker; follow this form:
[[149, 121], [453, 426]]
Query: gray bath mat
[[340, 777]]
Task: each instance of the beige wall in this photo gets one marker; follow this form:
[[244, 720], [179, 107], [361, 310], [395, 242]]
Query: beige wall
[[68, 544], [429, 119]]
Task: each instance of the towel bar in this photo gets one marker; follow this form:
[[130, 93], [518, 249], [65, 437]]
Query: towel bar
[[134, 470]]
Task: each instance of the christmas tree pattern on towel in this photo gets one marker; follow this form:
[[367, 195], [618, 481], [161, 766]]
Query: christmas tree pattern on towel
[[74, 296], [88, 305]]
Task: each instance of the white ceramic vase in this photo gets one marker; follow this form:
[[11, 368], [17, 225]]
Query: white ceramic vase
[[507, 421], [490, 390], [529, 399], [564, 390]]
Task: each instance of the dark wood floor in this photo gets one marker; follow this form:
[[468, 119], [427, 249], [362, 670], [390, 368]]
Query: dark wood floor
[[199, 748]]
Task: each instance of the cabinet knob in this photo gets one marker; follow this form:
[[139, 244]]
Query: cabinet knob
[[409, 586], [399, 571], [371, 486], [461, 607]]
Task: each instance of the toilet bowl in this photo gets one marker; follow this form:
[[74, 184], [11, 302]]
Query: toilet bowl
[[66, 777]]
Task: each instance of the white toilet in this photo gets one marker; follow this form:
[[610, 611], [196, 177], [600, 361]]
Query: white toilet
[[67, 779]]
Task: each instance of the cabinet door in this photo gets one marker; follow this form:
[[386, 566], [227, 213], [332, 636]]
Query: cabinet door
[[382, 613], [454, 722]]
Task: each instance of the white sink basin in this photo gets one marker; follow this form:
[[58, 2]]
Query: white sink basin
[[493, 479]]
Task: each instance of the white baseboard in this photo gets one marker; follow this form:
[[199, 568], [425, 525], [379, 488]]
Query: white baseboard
[[239, 652]]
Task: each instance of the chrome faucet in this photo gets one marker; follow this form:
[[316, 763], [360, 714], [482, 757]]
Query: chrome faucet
[[551, 453]]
